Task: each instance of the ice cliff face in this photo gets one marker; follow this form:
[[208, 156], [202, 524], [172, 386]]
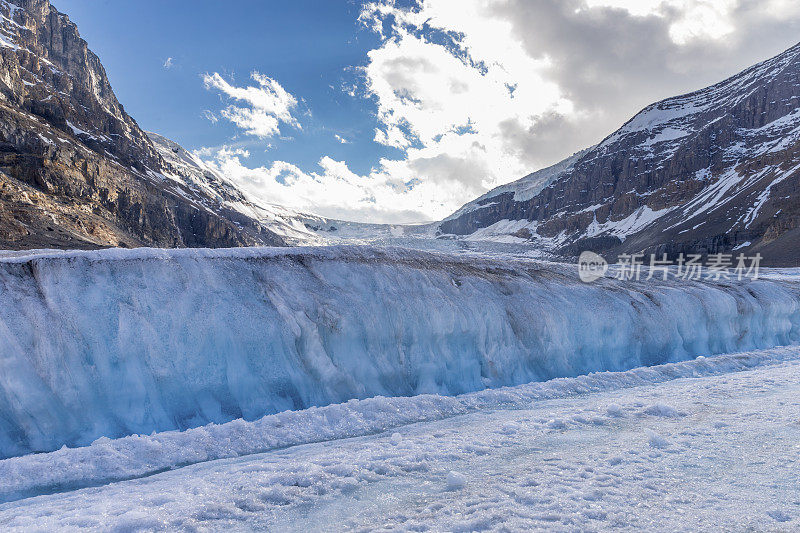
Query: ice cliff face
[[121, 342]]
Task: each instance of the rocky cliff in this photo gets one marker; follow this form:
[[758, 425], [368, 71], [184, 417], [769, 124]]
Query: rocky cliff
[[76, 171]]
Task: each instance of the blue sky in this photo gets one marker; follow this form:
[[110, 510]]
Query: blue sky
[[308, 45], [402, 111]]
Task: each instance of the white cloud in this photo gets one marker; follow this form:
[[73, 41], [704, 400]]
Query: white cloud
[[268, 105], [689, 19], [391, 135], [477, 93], [445, 96], [210, 116], [341, 139], [169, 63], [333, 190]]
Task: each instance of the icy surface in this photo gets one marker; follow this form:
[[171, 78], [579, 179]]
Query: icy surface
[[108, 460], [118, 342], [681, 447]]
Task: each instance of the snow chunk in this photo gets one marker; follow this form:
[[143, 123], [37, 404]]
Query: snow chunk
[[657, 441], [662, 410], [455, 481]]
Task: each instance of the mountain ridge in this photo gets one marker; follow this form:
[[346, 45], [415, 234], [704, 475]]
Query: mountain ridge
[[659, 183], [76, 171]]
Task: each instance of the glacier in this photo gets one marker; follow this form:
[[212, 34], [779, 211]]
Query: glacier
[[130, 342]]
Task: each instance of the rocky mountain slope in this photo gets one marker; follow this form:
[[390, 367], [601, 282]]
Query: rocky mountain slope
[[189, 171], [711, 171], [76, 171]]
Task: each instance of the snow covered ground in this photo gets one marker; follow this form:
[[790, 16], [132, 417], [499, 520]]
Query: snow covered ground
[[705, 445]]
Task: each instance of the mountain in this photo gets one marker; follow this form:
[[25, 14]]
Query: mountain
[[76, 171], [712, 171], [191, 172]]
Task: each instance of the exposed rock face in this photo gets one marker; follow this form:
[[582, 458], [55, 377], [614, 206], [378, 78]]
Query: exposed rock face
[[707, 172], [76, 170]]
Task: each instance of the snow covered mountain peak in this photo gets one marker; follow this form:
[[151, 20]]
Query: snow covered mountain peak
[[684, 114], [709, 171], [525, 188]]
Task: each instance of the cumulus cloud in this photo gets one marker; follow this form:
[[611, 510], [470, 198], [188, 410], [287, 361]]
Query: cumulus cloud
[[477, 93], [333, 190], [266, 106]]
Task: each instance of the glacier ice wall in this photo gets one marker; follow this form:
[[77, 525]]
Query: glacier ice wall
[[120, 342]]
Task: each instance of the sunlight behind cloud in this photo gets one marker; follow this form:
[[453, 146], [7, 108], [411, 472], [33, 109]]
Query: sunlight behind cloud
[[691, 19]]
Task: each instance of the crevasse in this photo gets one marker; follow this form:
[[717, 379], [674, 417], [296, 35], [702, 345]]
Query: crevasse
[[117, 342]]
